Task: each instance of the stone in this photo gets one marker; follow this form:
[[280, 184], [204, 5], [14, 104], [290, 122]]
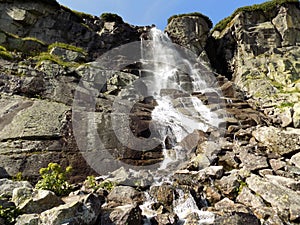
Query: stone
[[296, 115], [163, 194], [7, 186], [277, 140], [249, 199], [83, 212], [237, 219], [229, 185], [28, 219], [125, 214], [35, 201], [68, 55], [125, 195], [253, 162], [296, 159], [277, 164], [284, 181], [229, 206], [278, 196], [165, 219], [286, 117], [189, 31]]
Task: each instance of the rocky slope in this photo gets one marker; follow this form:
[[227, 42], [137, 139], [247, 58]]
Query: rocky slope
[[247, 173]]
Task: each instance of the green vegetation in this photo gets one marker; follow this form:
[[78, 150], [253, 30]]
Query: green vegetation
[[265, 7], [79, 14], [210, 24], [53, 58], [66, 46], [111, 17], [54, 178], [4, 54], [286, 104], [93, 184], [34, 40], [9, 214]]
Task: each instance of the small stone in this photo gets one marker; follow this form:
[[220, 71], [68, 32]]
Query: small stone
[[249, 199], [277, 164], [296, 160], [125, 195], [253, 162], [28, 219], [229, 185]]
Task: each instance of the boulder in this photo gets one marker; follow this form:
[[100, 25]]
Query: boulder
[[28, 219], [125, 195], [125, 214], [83, 212], [35, 201], [280, 197], [278, 141], [7, 186], [189, 31]]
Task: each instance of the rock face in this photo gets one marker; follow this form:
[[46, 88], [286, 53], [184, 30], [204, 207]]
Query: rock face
[[260, 51], [248, 172], [40, 23], [189, 31]]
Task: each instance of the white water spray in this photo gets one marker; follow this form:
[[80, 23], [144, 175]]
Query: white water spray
[[179, 116]]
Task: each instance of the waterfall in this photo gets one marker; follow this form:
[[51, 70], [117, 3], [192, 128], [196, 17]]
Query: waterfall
[[175, 77], [175, 73]]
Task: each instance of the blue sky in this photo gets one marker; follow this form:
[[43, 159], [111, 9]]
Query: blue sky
[[147, 12]]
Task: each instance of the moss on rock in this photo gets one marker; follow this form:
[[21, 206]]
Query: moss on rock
[[111, 17], [209, 22], [265, 7]]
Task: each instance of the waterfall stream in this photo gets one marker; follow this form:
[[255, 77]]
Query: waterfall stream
[[175, 77]]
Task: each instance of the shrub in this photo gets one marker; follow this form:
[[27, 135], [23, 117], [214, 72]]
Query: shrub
[[265, 7], [9, 214], [209, 22], [93, 184], [4, 54], [111, 17], [54, 178]]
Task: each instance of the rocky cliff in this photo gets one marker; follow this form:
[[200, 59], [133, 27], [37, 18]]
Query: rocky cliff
[[248, 172]]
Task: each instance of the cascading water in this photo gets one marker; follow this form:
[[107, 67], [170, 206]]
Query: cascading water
[[173, 80]]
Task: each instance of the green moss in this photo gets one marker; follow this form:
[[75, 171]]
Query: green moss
[[111, 17], [34, 40], [4, 54], [66, 46], [265, 7], [286, 104], [44, 56], [81, 15], [209, 22]]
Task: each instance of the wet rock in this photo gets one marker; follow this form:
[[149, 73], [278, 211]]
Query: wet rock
[[126, 214], [163, 194], [35, 201], [165, 219], [125, 195]]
